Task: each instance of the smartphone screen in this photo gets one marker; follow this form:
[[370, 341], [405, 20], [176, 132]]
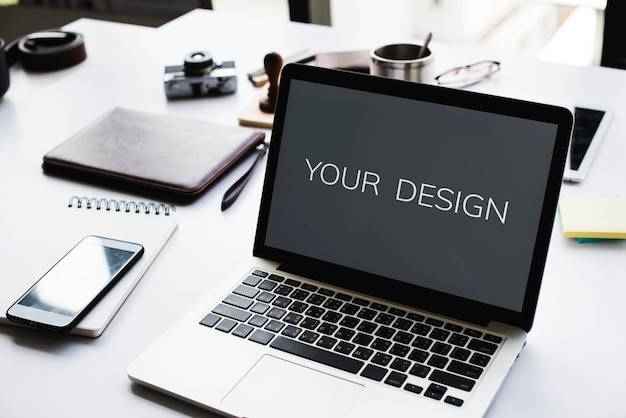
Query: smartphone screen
[[587, 122], [590, 124], [64, 294]]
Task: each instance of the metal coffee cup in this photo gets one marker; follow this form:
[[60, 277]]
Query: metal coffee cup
[[402, 62], [4, 70]]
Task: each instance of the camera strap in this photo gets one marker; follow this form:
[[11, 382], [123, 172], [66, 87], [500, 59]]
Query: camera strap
[[48, 50]]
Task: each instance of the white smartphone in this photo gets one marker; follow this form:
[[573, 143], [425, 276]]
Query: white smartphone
[[590, 125], [64, 295]]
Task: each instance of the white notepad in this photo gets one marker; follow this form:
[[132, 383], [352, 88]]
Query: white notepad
[[149, 224]]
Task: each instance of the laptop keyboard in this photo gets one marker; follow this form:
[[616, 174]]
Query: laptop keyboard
[[407, 350]]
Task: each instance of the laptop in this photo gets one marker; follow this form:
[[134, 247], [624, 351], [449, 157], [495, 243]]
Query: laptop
[[397, 262]]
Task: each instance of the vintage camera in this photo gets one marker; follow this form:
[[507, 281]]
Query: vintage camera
[[200, 76]]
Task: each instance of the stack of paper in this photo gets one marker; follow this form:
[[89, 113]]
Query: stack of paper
[[586, 217]]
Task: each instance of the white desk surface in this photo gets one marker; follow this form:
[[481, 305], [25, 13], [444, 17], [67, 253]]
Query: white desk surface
[[582, 297]]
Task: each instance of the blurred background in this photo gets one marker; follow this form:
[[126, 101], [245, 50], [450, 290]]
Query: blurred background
[[567, 31]]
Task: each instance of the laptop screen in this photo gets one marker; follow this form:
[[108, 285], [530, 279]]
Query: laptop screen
[[438, 195]]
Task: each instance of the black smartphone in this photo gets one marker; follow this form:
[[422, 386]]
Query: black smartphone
[[64, 295], [590, 124]]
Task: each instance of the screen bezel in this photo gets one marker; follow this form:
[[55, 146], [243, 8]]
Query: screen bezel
[[394, 290], [62, 322]]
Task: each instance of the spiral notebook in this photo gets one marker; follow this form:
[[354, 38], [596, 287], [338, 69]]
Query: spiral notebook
[[147, 223]]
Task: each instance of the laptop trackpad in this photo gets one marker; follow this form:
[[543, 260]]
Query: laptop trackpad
[[278, 388]]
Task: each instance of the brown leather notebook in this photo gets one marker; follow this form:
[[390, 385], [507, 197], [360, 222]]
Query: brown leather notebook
[[160, 155]]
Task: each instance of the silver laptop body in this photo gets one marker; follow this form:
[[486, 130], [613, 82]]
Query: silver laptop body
[[401, 242]]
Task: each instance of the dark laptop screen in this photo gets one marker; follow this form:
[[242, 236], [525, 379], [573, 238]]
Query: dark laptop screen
[[443, 197]]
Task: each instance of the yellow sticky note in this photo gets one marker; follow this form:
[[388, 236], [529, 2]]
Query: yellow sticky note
[[593, 217]]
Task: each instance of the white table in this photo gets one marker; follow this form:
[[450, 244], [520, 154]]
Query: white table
[[56, 375]]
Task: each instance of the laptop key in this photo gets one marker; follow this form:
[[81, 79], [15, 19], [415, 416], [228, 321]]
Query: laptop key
[[400, 365], [274, 326], [283, 290], [333, 304], [362, 339], [374, 372], [366, 327], [319, 355], [343, 296], [349, 309], [344, 347], [247, 291], [243, 330], [210, 320], [453, 380], [327, 328], [292, 282], [310, 323], [316, 299], [325, 292], [381, 359], [259, 308], [458, 339], [293, 318], [226, 325], [345, 333], [366, 313], [238, 301], [326, 342], [435, 391], [276, 277], [480, 359], [492, 338], [298, 306], [232, 313], [402, 324], [439, 334], [418, 355], [266, 297], [349, 322], [465, 369], [362, 353], [460, 354], [292, 331], [261, 337], [300, 294], [413, 388], [309, 287], [482, 346], [276, 313], [252, 281], [441, 348], [281, 302], [395, 379], [453, 401], [258, 320], [384, 318], [309, 337], [419, 370], [437, 361], [397, 312], [268, 285]]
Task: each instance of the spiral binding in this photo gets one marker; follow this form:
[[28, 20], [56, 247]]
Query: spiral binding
[[121, 205]]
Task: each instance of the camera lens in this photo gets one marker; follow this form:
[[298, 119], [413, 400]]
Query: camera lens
[[198, 61]]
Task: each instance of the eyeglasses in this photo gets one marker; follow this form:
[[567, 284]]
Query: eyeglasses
[[468, 75]]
